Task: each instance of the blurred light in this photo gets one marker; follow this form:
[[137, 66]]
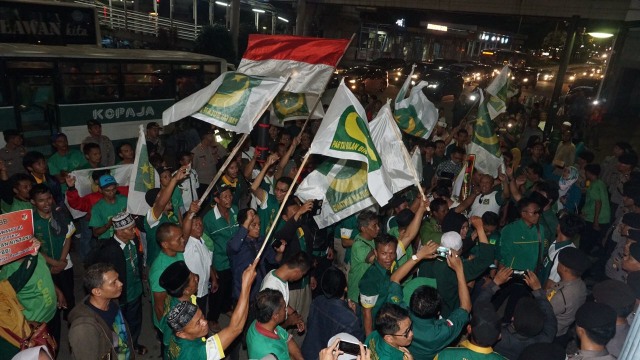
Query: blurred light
[[413, 82], [400, 22], [283, 19], [222, 3], [258, 11], [493, 38], [604, 56], [472, 97], [600, 35], [436, 27]]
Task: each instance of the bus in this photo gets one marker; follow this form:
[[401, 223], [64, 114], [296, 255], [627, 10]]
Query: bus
[[49, 89], [501, 57]]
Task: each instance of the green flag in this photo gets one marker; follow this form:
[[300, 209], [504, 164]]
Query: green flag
[[415, 115], [484, 143], [293, 106], [144, 177]]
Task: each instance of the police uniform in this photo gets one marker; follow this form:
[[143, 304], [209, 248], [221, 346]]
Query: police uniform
[[591, 355], [566, 298]]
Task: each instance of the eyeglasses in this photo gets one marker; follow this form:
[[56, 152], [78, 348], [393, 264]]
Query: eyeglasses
[[406, 333]]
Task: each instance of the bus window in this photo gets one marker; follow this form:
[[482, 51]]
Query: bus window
[[89, 82], [186, 85], [147, 81], [211, 72]]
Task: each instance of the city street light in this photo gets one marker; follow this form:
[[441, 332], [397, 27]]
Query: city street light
[[258, 12], [600, 35]]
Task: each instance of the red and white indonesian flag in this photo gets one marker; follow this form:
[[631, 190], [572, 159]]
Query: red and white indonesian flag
[[308, 61]]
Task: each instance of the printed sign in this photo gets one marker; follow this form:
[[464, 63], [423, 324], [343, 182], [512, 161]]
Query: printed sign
[[16, 235]]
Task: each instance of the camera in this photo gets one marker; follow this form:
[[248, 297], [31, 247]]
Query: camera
[[442, 251], [350, 348], [317, 207], [519, 274]]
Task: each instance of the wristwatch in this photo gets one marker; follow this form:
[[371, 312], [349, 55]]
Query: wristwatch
[[414, 257]]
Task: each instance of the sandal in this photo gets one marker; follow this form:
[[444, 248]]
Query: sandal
[[141, 350]]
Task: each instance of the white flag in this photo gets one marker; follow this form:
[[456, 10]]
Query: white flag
[[144, 177], [388, 141]]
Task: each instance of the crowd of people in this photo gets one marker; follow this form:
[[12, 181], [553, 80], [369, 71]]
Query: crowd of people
[[537, 263]]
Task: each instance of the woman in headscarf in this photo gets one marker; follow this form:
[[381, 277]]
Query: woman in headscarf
[[569, 192]]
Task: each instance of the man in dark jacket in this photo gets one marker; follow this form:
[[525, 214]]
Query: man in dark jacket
[[94, 321], [533, 318], [123, 251]]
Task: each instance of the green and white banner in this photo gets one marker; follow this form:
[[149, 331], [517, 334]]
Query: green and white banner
[[500, 90], [143, 178], [233, 101], [484, 142], [293, 106], [415, 115], [342, 185], [344, 134]]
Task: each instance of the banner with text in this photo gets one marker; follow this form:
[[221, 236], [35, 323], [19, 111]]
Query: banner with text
[[16, 235]]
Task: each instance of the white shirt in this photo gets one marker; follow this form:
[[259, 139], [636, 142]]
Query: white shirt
[[484, 203], [198, 259], [271, 281], [188, 189]]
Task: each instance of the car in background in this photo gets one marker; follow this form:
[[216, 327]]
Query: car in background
[[527, 77], [442, 83], [443, 63], [546, 75], [365, 78], [397, 69], [589, 92], [463, 69]]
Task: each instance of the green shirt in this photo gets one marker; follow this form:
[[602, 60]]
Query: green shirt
[[597, 191], [262, 342], [150, 228], [160, 264], [430, 230], [359, 251], [52, 243], [73, 160], [221, 231], [176, 201], [379, 348], [469, 351], [19, 205], [267, 213], [183, 349], [520, 245], [347, 228], [447, 280], [374, 288], [38, 296], [103, 211]]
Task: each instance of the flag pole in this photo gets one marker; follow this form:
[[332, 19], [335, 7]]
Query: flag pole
[[284, 201], [313, 109], [224, 166]]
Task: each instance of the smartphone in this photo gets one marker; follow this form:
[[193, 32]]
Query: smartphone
[[442, 251], [349, 347]]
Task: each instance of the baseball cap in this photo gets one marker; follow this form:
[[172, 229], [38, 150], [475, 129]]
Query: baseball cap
[[106, 180], [220, 188]]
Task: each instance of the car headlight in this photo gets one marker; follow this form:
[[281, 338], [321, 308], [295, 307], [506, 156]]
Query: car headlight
[[399, 73], [433, 85], [352, 81], [572, 77], [413, 82], [525, 80], [414, 76], [513, 78]]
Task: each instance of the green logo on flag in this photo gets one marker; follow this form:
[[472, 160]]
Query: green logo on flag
[[230, 99], [407, 120], [349, 184], [288, 104], [484, 133], [145, 175], [352, 135]]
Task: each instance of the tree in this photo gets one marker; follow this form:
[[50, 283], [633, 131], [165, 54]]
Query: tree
[[216, 41]]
